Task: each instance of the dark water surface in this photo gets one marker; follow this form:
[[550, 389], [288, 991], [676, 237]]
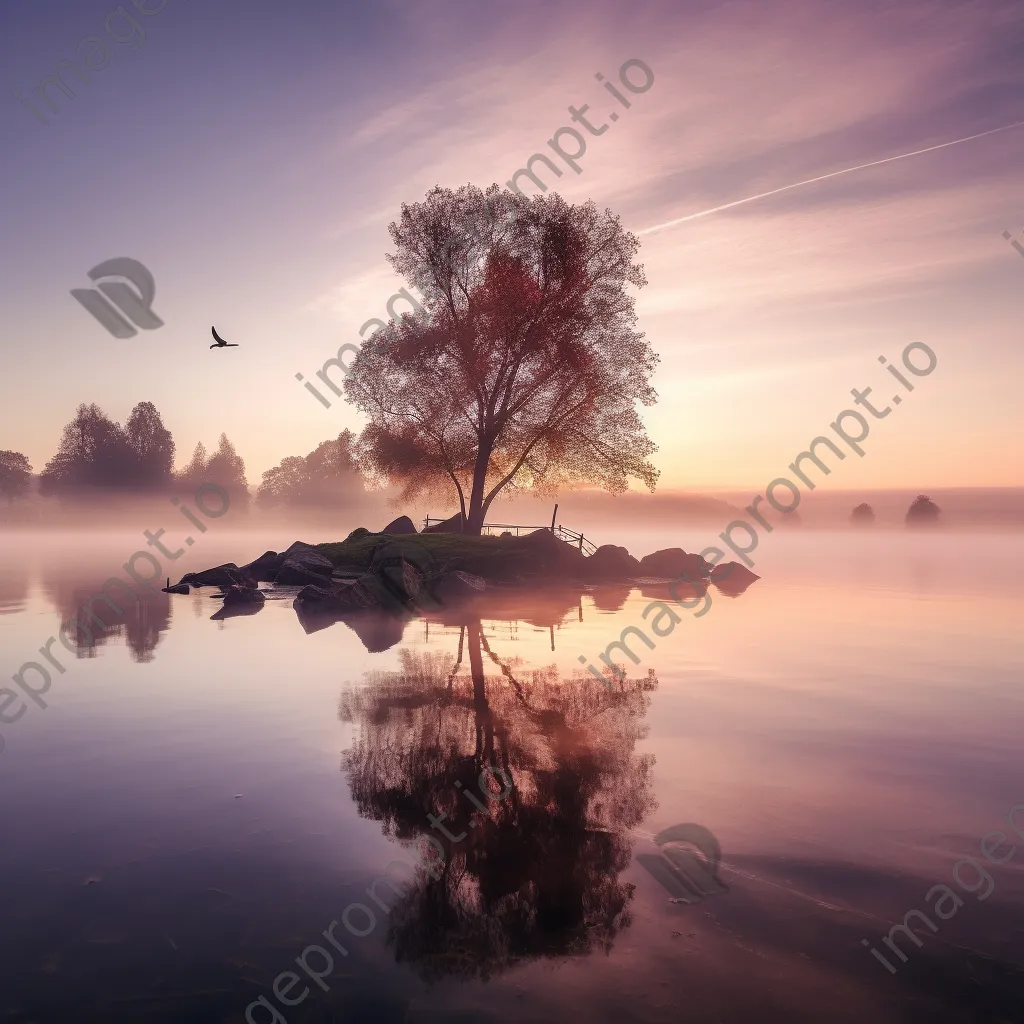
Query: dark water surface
[[200, 799]]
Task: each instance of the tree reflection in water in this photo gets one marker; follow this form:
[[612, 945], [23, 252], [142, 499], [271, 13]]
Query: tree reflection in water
[[538, 874]]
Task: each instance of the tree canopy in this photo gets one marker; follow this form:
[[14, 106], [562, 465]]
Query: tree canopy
[[524, 369], [96, 452], [15, 474], [321, 478], [225, 467]]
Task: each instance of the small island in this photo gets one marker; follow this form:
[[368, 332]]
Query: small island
[[399, 571]]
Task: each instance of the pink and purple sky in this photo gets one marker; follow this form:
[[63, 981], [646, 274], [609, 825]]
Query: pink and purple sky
[[252, 154]]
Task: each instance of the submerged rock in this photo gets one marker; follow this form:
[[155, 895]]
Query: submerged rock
[[243, 595], [674, 563], [226, 575], [335, 597], [240, 601], [732, 578], [612, 562]]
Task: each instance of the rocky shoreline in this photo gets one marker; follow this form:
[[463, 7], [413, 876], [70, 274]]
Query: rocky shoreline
[[398, 571]]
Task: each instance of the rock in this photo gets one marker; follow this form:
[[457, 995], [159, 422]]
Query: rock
[[239, 601], [401, 525], [397, 587], [674, 563], [225, 575], [457, 586], [392, 553], [178, 588], [302, 566], [335, 597], [454, 525], [296, 547], [264, 568], [243, 595], [547, 555], [732, 578], [357, 534], [611, 562], [506, 533]]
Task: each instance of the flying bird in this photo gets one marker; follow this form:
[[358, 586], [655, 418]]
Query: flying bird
[[220, 342]]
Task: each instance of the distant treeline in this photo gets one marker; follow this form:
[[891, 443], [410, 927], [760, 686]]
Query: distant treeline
[[98, 455]]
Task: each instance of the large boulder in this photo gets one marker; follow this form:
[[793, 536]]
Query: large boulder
[[264, 568], [611, 562], [732, 578], [455, 587], [225, 575], [674, 563], [401, 525], [456, 524], [546, 555], [302, 565], [395, 578], [392, 553]]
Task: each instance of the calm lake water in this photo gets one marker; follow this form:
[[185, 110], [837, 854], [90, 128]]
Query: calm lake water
[[201, 799]]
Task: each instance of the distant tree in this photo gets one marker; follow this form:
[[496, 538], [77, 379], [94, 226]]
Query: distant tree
[[194, 474], [152, 446], [863, 513], [922, 510], [322, 478], [15, 475], [524, 369], [227, 469], [94, 452]]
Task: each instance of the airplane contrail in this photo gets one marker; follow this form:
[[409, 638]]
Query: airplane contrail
[[823, 177]]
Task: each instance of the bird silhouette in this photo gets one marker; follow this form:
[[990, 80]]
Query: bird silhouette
[[220, 342]]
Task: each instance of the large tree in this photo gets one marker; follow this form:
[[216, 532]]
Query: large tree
[[152, 446], [15, 474], [93, 452], [524, 369]]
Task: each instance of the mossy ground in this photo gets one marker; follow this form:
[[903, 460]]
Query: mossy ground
[[493, 558]]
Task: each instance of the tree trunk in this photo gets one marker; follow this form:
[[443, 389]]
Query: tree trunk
[[477, 512]]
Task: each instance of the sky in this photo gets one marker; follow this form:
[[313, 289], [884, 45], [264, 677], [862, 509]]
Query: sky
[[252, 155]]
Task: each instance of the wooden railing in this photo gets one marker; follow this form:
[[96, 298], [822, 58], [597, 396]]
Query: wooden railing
[[562, 533]]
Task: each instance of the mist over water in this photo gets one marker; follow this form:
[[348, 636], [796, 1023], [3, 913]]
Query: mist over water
[[847, 729]]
